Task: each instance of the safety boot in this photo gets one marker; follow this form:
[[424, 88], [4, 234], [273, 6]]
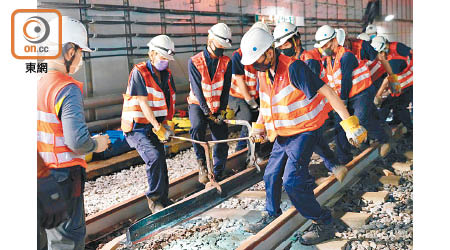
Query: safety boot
[[154, 204], [340, 172], [317, 233], [202, 171], [262, 223]]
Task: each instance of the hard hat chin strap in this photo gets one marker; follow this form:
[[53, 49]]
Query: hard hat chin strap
[[66, 48]]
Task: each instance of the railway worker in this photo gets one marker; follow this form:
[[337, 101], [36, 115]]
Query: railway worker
[[52, 206], [287, 39], [244, 98], [292, 113], [351, 80], [149, 102], [400, 58], [378, 65], [371, 31], [62, 134], [210, 81]]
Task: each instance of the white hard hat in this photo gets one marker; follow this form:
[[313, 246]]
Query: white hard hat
[[340, 36], [73, 31], [261, 25], [371, 29], [253, 44], [379, 43], [283, 32], [363, 36], [323, 35], [163, 45], [222, 34]]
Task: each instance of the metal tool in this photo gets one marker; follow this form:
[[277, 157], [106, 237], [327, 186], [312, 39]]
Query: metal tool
[[207, 145]]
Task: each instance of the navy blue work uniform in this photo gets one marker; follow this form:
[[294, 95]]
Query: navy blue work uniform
[[198, 113], [360, 105], [290, 157], [146, 142], [400, 103], [240, 107], [322, 148]]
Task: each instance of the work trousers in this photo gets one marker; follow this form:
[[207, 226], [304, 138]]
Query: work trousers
[[362, 106], [152, 152], [71, 233], [242, 111], [199, 123], [288, 166], [399, 106], [324, 151]]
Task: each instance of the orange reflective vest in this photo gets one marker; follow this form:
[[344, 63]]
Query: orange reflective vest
[[376, 68], [285, 109], [50, 136], [314, 54], [405, 78], [132, 112], [212, 89], [360, 76], [249, 79]]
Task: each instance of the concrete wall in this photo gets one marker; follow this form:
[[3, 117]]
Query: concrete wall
[[114, 29]]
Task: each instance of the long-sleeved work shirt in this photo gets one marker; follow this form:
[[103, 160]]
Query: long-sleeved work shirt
[[348, 64], [195, 80], [399, 65]]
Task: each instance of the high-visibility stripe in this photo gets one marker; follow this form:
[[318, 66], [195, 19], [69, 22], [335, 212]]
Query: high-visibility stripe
[[155, 92], [212, 93], [129, 115], [282, 94], [293, 106], [402, 76], [265, 111], [249, 74], [269, 126], [360, 78], [49, 157], [49, 138], [374, 68], [305, 117], [47, 117], [135, 102], [356, 71], [207, 87]]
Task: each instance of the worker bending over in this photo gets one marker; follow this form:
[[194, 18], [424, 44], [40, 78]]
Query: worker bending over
[[350, 78], [149, 102], [291, 115], [63, 138], [400, 58], [287, 39], [210, 80], [244, 98]]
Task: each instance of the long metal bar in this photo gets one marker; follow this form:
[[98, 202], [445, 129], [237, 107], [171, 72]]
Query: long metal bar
[[192, 206]]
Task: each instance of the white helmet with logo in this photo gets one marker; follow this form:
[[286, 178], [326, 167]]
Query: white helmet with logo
[[283, 32], [163, 45], [323, 35], [253, 45], [340, 36], [363, 36], [222, 34], [261, 25], [73, 31], [371, 29], [379, 43]]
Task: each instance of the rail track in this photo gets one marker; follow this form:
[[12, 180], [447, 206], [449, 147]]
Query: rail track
[[125, 213]]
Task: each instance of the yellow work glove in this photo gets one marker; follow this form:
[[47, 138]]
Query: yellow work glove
[[163, 133], [356, 134], [394, 85], [229, 114], [258, 133]]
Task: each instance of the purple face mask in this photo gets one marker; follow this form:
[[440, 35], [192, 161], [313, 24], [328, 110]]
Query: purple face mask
[[161, 65]]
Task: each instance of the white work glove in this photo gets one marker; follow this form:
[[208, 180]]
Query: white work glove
[[253, 104], [258, 133]]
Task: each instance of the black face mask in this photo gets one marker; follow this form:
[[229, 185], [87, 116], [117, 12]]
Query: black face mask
[[289, 51], [261, 66], [217, 51], [328, 51]]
